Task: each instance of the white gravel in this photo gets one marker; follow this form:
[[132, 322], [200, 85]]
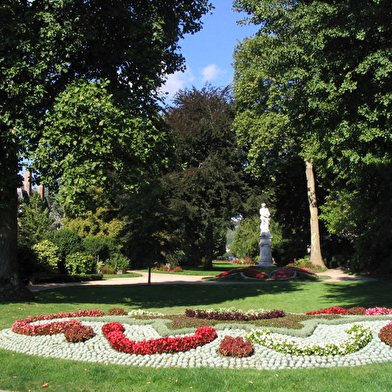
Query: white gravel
[[98, 349]]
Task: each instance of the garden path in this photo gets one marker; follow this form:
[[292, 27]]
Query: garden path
[[334, 275]]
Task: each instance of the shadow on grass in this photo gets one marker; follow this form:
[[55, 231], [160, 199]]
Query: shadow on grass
[[157, 296], [360, 293]]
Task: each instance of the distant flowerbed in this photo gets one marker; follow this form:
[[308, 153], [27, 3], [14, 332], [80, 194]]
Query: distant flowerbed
[[281, 273], [378, 311]]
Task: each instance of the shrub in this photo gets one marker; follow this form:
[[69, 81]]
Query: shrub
[[119, 261], [385, 334], [77, 332], [79, 263], [101, 247], [46, 253], [235, 347], [68, 241]]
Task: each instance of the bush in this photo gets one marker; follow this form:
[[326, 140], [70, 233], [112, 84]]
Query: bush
[[47, 255], [235, 347], [119, 261], [79, 263], [68, 241], [101, 247]]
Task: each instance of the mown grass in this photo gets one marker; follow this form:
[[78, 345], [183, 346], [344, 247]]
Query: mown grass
[[217, 268], [21, 372]]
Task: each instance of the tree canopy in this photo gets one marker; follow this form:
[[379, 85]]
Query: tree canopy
[[207, 186], [317, 78], [46, 47]]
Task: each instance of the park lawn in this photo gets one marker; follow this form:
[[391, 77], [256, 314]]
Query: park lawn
[[217, 265], [20, 372]]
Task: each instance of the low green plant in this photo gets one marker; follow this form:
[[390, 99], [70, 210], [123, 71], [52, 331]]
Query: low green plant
[[79, 263], [46, 254]]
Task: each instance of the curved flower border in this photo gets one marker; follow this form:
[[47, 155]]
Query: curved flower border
[[114, 333], [358, 337]]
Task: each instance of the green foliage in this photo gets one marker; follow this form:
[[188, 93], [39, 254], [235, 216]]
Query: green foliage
[[79, 88], [80, 263], [67, 242], [206, 188], [119, 261], [314, 82], [246, 239], [47, 255], [101, 247], [33, 219]]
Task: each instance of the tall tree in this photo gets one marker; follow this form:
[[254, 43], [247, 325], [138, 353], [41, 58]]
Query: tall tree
[[328, 70], [208, 185], [45, 46]]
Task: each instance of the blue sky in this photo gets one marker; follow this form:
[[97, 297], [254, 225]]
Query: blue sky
[[209, 53]]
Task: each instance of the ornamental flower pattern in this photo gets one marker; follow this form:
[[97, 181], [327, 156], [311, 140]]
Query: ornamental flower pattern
[[358, 336], [114, 333]]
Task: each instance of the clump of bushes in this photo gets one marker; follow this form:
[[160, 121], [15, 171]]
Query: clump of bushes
[[235, 347], [79, 263]]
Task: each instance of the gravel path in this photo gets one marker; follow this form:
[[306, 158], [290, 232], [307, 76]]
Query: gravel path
[[335, 275]]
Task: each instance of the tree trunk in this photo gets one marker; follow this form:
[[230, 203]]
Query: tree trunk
[[11, 287], [209, 247], [315, 247]]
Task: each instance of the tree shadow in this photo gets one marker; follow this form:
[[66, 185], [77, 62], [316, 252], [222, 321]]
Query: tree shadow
[[163, 295], [367, 294]]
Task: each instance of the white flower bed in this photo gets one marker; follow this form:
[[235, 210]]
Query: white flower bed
[[98, 349]]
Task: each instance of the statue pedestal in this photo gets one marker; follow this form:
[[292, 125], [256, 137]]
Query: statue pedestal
[[265, 243]]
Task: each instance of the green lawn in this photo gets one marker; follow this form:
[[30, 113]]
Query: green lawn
[[20, 372], [218, 267]]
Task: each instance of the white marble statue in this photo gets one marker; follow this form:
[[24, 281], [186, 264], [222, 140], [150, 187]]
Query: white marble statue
[[264, 219]]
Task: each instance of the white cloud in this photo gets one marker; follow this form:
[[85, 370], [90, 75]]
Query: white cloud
[[177, 81], [211, 72]]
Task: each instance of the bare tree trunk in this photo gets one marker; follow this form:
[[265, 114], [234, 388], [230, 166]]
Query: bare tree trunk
[[315, 247], [11, 287]]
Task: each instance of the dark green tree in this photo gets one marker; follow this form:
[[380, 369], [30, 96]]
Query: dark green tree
[[317, 78], [208, 186], [47, 46]]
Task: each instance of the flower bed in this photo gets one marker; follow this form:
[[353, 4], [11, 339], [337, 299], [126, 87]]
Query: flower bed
[[281, 273], [232, 316], [207, 346], [378, 311], [235, 347], [114, 333], [358, 337]]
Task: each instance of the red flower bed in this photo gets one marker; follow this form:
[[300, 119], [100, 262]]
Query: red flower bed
[[385, 334], [333, 310], [233, 316], [250, 272], [23, 327], [235, 347], [114, 333], [355, 310], [283, 273]]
